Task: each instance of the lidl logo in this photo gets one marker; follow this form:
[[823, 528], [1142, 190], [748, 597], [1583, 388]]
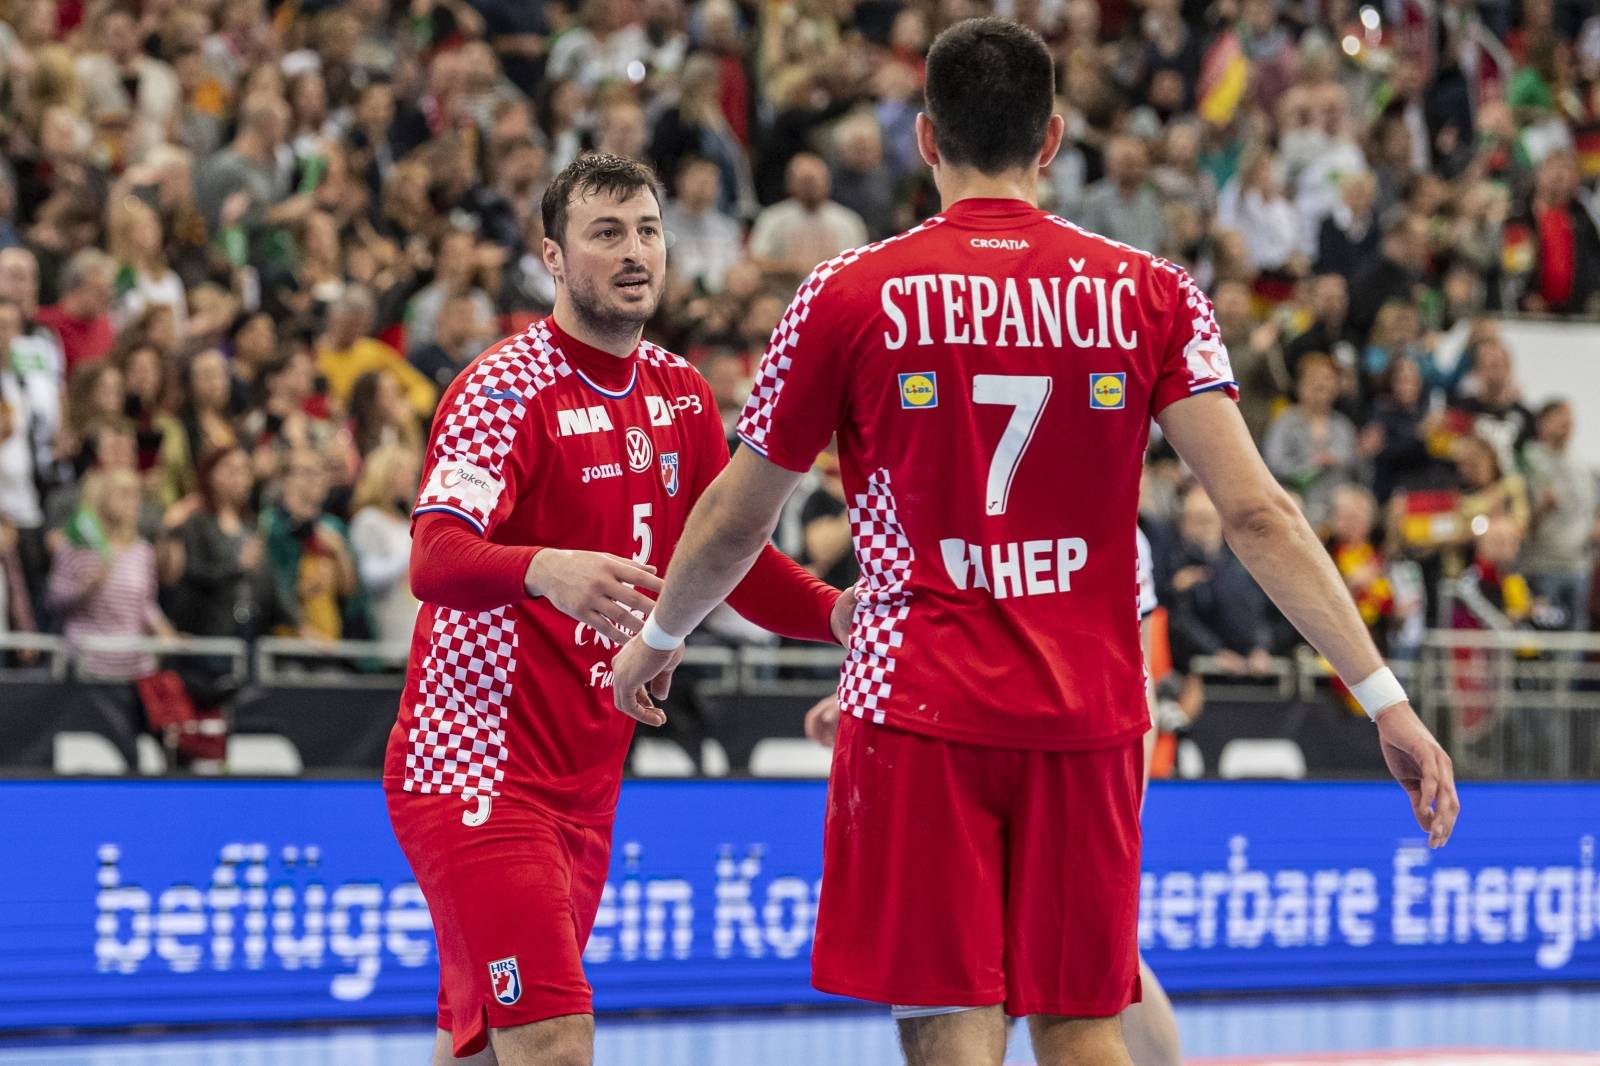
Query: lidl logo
[[1108, 392], [919, 390]]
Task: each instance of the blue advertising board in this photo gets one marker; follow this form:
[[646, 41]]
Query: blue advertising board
[[135, 902]]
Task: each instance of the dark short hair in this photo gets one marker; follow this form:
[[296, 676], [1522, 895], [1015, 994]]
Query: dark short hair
[[593, 174], [990, 90]]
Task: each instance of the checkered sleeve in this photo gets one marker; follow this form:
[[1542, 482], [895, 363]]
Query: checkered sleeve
[[798, 395], [475, 457], [1193, 359]]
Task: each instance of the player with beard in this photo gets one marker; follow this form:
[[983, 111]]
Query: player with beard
[[562, 466]]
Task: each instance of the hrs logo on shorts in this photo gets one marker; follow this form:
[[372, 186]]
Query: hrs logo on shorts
[[505, 980]]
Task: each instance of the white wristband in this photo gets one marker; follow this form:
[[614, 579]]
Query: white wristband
[[1378, 693], [656, 637]]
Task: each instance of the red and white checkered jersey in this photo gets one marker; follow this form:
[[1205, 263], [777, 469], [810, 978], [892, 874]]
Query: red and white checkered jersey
[[545, 441], [991, 375]]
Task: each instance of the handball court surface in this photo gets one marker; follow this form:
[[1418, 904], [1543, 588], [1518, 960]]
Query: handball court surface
[[1546, 1027]]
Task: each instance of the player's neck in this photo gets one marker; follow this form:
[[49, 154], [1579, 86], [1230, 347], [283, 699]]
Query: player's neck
[[576, 327], [966, 183]]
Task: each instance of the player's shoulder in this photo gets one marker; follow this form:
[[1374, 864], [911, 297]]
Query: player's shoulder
[[654, 355], [514, 369]]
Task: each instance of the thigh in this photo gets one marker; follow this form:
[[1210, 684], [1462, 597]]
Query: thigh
[[1072, 904], [502, 899], [913, 872]]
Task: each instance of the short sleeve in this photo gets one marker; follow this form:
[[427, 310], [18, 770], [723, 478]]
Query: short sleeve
[[797, 400], [471, 470], [1194, 359]]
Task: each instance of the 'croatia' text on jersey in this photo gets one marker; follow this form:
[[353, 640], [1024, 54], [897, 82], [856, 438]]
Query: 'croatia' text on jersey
[[543, 441], [991, 375]]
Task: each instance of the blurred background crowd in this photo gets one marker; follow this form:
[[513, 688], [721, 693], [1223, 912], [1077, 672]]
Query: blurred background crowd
[[245, 245]]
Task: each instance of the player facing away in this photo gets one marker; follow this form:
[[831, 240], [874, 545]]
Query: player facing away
[[562, 465], [991, 375]]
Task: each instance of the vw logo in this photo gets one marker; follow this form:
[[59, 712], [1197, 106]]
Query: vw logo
[[640, 453]]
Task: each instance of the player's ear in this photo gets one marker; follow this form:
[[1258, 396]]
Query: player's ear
[[1054, 131], [925, 142], [550, 252]]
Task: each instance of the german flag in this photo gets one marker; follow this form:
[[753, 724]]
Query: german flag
[[1516, 249], [1587, 143], [1224, 75]]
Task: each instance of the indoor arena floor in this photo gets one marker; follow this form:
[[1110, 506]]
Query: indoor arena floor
[[1548, 1027]]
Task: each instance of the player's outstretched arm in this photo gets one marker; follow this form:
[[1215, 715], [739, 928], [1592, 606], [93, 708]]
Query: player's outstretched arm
[[727, 530], [1276, 544]]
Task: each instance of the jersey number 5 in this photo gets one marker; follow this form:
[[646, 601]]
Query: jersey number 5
[[641, 533], [1026, 396]]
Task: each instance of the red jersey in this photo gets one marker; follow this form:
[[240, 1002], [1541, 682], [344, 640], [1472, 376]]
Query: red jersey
[[991, 375], [546, 441]]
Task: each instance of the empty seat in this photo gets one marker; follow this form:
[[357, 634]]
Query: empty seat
[[789, 757], [87, 753], [267, 754], [152, 756], [1191, 763], [655, 757], [1261, 757]]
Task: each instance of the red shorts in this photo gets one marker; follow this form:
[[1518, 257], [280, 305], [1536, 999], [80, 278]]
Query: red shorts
[[963, 876], [513, 901]]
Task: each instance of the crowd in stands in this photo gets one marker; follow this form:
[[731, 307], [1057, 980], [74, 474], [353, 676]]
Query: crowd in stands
[[245, 245]]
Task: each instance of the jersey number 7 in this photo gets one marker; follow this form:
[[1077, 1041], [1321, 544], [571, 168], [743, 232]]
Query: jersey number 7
[[1026, 396]]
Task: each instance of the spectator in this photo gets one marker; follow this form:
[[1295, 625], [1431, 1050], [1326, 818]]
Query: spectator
[[1398, 439], [346, 350], [793, 236], [206, 416], [825, 523], [1557, 555], [459, 261], [1494, 403], [380, 535], [1255, 205], [1347, 240], [253, 345], [120, 78], [82, 319], [704, 242], [1394, 276], [1330, 331], [461, 336], [103, 584], [697, 126], [1311, 448], [309, 557], [243, 184], [606, 45], [379, 415], [217, 584], [622, 129], [20, 507], [1359, 562], [34, 358], [1488, 490], [859, 180], [144, 278], [1214, 606], [1552, 247], [1124, 205]]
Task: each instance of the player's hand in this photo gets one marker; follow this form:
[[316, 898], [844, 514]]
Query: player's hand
[[822, 720], [633, 668], [1423, 770], [842, 616], [600, 590]]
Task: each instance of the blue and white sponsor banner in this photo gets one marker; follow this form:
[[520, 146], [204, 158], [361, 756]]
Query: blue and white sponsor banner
[[132, 902]]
